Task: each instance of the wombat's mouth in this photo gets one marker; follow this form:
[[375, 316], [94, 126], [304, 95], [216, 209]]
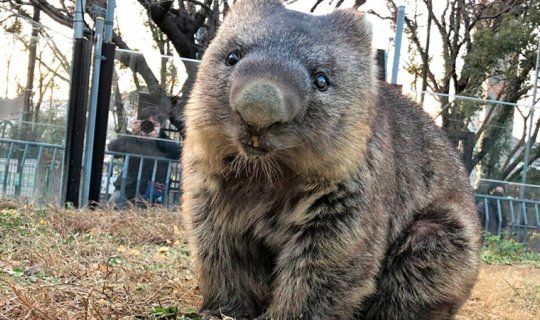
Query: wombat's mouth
[[251, 150], [254, 144]]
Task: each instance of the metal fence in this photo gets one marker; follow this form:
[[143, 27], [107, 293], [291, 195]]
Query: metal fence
[[131, 180], [30, 170], [33, 171], [508, 217], [511, 189]]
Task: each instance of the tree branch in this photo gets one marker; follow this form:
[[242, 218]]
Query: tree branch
[[180, 32], [484, 125], [317, 3], [371, 11], [53, 12]]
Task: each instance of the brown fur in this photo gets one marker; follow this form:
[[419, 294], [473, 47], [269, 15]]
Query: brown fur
[[358, 208]]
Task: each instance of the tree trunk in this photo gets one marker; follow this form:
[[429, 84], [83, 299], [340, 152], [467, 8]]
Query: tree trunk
[[119, 111], [29, 88], [425, 61]]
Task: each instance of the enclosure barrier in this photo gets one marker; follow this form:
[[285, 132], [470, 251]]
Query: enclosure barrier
[[32, 171], [118, 166], [522, 218]]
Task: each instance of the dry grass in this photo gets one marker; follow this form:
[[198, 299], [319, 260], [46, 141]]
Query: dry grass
[[134, 264], [504, 293], [62, 264]]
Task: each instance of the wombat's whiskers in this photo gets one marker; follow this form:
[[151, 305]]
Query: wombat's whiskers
[[255, 169]]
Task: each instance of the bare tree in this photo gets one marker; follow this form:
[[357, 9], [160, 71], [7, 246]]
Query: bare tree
[[489, 39], [29, 88]]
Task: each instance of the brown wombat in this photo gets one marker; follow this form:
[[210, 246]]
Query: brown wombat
[[313, 191]]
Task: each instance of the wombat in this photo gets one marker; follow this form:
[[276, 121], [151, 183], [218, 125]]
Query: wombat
[[312, 190]]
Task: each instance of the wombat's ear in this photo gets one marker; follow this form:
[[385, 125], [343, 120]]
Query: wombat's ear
[[352, 24]]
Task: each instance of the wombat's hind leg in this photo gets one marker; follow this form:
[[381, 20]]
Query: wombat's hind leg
[[428, 272]]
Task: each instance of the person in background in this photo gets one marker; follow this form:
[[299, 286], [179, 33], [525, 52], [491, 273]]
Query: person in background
[[149, 140], [490, 212]]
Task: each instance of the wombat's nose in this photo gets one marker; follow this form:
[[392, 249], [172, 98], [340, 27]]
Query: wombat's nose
[[261, 103]]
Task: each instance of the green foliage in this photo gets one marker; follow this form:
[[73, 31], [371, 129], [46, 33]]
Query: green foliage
[[497, 140], [504, 49], [533, 177], [50, 127], [164, 312], [508, 251], [509, 40]]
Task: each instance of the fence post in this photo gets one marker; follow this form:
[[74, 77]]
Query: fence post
[[397, 46], [103, 102], [89, 150], [76, 114]]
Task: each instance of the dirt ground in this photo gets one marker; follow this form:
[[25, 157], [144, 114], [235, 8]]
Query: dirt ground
[[504, 293], [134, 264]]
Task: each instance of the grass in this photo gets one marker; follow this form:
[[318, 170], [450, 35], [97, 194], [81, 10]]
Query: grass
[[135, 264], [67, 264], [504, 292], [508, 251]]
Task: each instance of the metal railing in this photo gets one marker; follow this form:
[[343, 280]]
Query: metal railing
[[131, 179], [508, 217], [512, 189], [30, 170], [33, 171]]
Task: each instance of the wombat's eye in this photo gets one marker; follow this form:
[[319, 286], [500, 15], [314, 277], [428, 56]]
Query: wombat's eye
[[233, 58], [320, 80]]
